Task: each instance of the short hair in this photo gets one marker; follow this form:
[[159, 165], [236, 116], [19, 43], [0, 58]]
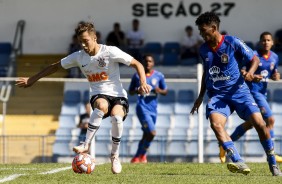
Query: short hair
[[188, 28], [83, 27], [208, 18], [264, 34]]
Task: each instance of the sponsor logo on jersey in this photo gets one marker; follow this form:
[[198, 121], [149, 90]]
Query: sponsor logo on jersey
[[224, 58], [214, 72], [97, 77]]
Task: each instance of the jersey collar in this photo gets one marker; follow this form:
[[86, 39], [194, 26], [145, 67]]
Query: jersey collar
[[218, 46]]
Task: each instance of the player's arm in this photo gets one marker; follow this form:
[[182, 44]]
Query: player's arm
[[161, 91], [199, 100], [29, 81], [144, 87], [249, 75]]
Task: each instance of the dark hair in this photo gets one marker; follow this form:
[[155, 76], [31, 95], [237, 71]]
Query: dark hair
[[189, 28], [83, 27], [265, 33], [208, 18]]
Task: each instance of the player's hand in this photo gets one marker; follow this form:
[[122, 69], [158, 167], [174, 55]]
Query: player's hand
[[276, 76], [197, 104], [24, 82], [248, 76], [144, 88], [257, 78]]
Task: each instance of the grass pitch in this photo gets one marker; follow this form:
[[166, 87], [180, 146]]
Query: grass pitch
[[159, 173]]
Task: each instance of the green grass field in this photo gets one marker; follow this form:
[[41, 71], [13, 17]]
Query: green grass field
[[136, 173]]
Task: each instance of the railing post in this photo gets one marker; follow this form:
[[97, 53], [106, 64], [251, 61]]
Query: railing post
[[4, 97]]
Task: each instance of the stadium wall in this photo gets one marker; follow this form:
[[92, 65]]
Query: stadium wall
[[50, 23]]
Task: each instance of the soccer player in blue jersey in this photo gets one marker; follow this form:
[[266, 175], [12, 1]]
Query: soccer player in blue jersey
[[227, 90], [267, 69], [146, 108]]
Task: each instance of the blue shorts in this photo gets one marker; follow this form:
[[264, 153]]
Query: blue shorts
[[241, 101], [147, 120], [263, 105]]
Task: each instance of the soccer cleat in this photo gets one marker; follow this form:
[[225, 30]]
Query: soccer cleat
[[238, 167], [278, 158], [275, 170], [116, 166], [221, 155], [82, 148], [143, 159], [135, 160]]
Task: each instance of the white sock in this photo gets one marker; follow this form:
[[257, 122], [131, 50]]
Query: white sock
[[94, 124], [117, 127]]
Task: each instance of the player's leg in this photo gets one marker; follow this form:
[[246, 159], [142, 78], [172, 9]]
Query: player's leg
[[246, 108], [217, 124], [238, 132], [148, 127], [135, 159], [117, 114], [218, 110], [267, 116], [150, 133], [270, 125], [100, 108]]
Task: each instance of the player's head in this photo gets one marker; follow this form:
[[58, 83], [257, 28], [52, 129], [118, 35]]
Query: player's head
[[266, 41], [148, 62], [208, 25], [86, 34]]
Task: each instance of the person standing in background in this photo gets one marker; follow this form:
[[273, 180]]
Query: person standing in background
[[146, 108]]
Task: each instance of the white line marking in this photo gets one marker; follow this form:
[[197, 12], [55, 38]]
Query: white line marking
[[11, 177], [56, 170]]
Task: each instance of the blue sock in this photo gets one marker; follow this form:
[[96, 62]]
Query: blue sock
[[139, 149], [269, 150], [232, 152], [271, 133], [239, 132], [145, 147]]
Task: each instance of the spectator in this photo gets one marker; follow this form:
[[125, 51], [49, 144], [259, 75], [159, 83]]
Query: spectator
[[74, 47], [83, 122], [99, 37], [116, 37], [135, 40], [190, 43], [278, 40]]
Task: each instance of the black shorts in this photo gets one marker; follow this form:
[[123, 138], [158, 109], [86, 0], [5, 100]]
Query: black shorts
[[112, 102]]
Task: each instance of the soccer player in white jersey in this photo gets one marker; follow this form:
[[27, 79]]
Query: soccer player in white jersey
[[100, 64]]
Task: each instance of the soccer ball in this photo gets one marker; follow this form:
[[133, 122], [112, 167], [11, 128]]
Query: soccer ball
[[83, 163]]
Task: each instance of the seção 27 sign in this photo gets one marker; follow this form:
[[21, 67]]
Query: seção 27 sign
[[167, 10]]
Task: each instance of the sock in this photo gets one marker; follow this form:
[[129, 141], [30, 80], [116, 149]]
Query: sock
[[139, 149], [239, 132], [117, 128], [232, 152], [145, 147], [94, 124], [271, 132], [269, 150]]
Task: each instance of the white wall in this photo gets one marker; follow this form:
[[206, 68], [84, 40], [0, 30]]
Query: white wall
[[50, 23]]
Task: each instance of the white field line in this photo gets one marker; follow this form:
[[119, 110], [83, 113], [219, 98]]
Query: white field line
[[56, 170], [10, 178], [14, 176]]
